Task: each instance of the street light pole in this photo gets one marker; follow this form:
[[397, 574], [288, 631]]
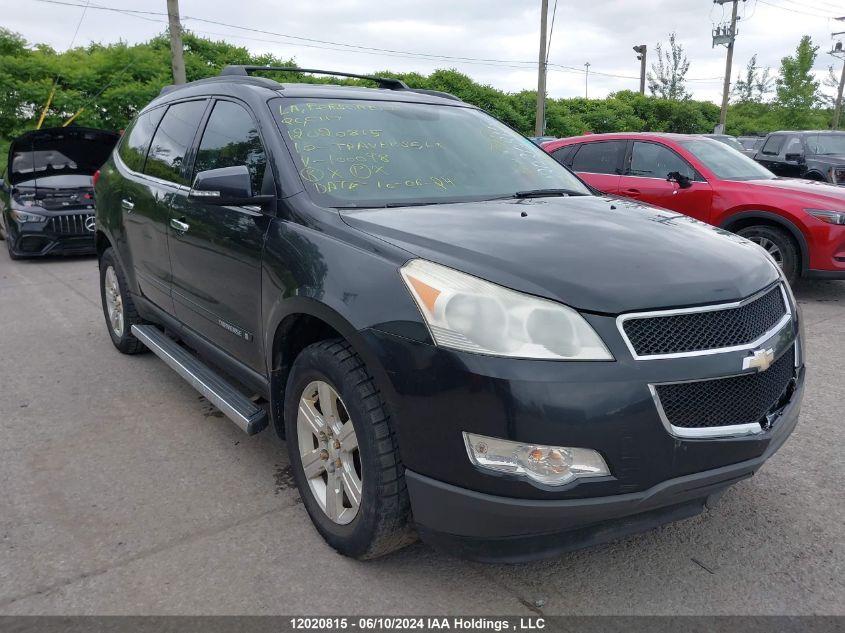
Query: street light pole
[[587, 81]]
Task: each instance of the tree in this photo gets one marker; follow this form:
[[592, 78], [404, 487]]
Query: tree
[[797, 90], [667, 77], [756, 84]]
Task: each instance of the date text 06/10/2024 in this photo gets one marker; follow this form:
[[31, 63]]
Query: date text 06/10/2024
[[417, 623]]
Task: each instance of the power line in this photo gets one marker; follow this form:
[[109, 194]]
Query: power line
[[790, 9], [345, 48], [551, 32]]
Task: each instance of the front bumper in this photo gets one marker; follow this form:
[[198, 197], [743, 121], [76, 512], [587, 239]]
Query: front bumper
[[57, 236], [493, 528], [436, 394]]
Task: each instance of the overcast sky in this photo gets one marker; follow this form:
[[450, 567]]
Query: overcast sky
[[507, 31]]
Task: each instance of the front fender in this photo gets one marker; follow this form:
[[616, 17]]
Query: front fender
[[797, 233]]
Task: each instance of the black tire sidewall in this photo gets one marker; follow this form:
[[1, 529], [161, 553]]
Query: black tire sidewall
[[123, 343], [354, 538], [791, 266]]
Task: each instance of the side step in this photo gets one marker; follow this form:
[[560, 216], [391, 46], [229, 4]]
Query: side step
[[237, 407]]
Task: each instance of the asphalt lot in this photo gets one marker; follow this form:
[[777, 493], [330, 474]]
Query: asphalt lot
[[124, 492]]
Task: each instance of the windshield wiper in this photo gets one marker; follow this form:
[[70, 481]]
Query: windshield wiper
[[548, 193], [394, 205]]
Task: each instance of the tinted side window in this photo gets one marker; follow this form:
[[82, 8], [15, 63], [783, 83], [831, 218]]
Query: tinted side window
[[772, 146], [231, 139], [794, 146], [599, 158], [651, 160], [564, 155], [172, 140], [136, 140]]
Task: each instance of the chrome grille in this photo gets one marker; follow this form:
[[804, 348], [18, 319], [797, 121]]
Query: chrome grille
[[706, 328], [72, 224], [724, 402]]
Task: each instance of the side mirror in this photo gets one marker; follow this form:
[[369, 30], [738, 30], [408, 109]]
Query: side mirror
[[225, 186], [794, 157], [683, 181]]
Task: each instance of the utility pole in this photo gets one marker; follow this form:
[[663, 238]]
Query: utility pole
[[726, 35], [177, 60], [540, 124], [641, 52], [587, 81], [838, 52]]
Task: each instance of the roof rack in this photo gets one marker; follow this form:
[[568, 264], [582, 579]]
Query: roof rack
[[383, 82]]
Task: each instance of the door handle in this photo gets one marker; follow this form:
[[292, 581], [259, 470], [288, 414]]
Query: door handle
[[632, 192], [179, 226], [128, 205]]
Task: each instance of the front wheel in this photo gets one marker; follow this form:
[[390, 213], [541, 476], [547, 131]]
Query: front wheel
[[343, 453], [779, 245]]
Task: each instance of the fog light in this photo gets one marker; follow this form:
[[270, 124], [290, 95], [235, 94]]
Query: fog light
[[550, 465]]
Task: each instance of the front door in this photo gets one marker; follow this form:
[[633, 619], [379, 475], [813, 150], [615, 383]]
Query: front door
[[645, 180], [215, 251], [769, 154]]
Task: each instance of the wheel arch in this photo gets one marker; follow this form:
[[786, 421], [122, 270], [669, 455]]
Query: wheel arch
[[744, 219], [815, 174], [102, 242], [306, 321]]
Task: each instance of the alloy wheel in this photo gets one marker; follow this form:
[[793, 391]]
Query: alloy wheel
[[771, 248], [328, 449], [114, 301]]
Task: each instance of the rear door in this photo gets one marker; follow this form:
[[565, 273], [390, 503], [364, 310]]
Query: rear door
[[216, 250], [144, 221], [146, 201], [649, 164], [599, 163]]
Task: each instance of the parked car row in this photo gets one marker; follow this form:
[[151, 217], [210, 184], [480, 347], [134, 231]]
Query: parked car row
[[801, 223]]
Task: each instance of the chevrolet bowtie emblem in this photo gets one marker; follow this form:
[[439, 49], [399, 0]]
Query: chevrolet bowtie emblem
[[760, 360]]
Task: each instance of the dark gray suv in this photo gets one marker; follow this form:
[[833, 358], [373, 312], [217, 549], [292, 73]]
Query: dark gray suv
[[456, 337]]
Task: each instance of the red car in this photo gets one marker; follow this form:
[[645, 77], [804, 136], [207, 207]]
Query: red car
[[801, 223]]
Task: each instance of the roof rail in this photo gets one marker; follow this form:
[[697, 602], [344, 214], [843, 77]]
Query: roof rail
[[383, 82]]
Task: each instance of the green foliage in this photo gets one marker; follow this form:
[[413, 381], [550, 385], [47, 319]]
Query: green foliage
[[755, 85], [796, 88], [668, 74], [106, 85]]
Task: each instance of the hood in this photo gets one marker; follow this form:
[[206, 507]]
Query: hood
[[596, 254], [803, 191], [59, 151]]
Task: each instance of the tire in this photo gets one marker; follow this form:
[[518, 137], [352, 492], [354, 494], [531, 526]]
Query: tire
[[381, 523], [780, 246], [12, 255], [116, 289]]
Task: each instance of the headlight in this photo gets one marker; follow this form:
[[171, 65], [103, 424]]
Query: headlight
[[472, 315], [26, 216], [831, 217], [550, 465]]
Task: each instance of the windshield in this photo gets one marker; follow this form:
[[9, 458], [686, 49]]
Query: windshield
[[826, 144], [387, 153], [730, 141], [726, 162]]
